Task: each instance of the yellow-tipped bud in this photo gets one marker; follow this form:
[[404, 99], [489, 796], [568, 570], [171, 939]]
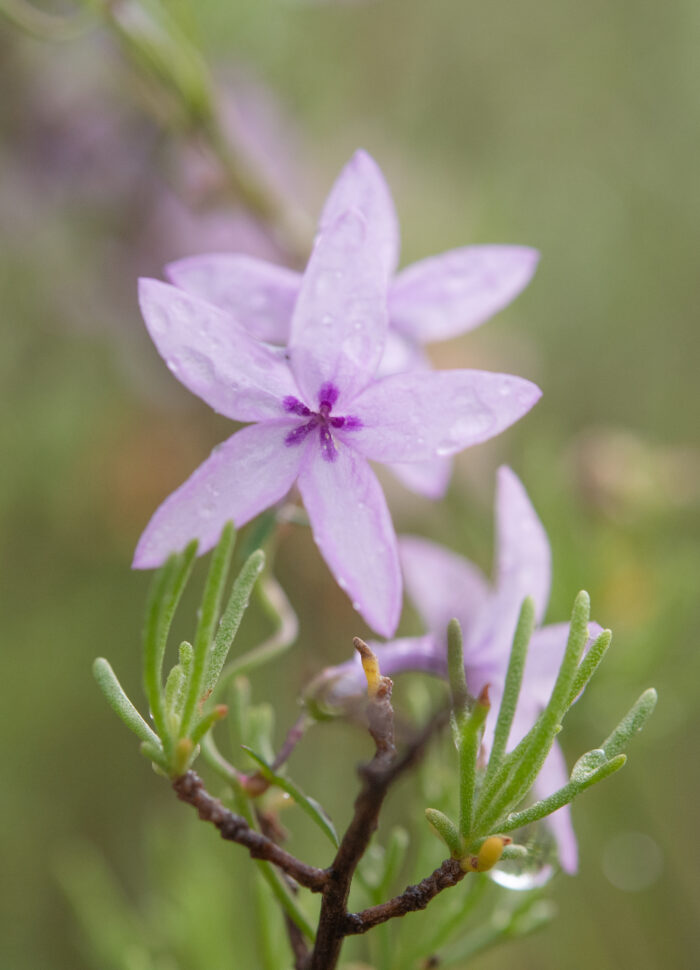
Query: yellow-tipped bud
[[487, 856], [370, 665]]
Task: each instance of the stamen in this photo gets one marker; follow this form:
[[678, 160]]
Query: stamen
[[297, 435], [293, 405], [328, 394]]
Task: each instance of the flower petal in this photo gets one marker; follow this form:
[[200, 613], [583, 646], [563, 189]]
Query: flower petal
[[450, 294], [259, 295], [554, 775], [354, 533], [524, 557], [213, 356], [340, 320], [362, 186], [421, 416], [242, 477], [442, 585], [428, 478], [522, 569]]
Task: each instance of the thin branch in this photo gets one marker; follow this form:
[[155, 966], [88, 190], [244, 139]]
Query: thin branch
[[377, 777], [410, 900], [234, 828]]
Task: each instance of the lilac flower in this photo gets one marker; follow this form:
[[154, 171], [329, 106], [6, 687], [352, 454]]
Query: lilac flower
[[443, 585], [319, 412], [434, 299]]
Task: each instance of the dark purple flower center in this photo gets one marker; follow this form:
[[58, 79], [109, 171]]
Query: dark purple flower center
[[322, 419]]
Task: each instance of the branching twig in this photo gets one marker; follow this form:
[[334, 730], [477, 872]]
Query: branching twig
[[377, 776], [411, 899], [190, 788]]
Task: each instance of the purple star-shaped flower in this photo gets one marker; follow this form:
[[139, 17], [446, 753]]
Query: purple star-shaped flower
[[443, 585], [319, 410], [434, 299]]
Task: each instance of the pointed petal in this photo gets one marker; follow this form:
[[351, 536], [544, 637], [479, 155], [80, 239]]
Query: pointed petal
[[422, 416], [450, 294], [428, 478], [442, 585], [242, 477], [362, 186], [213, 356], [340, 320], [524, 557], [259, 295], [354, 533], [554, 775], [522, 569]]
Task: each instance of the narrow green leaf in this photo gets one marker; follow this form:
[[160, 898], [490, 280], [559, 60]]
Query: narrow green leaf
[[173, 692], [275, 603], [631, 724], [308, 805], [513, 682], [471, 731], [590, 664], [116, 698], [165, 593], [512, 782], [154, 753], [447, 830], [207, 722], [284, 897], [233, 614], [208, 618], [561, 797], [455, 668]]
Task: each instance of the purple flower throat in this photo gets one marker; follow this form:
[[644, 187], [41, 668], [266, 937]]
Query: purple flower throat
[[321, 419]]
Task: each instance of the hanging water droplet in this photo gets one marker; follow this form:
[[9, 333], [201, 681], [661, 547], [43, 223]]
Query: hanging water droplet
[[504, 875]]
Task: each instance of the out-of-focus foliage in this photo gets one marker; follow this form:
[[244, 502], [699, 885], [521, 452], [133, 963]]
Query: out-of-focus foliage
[[571, 128]]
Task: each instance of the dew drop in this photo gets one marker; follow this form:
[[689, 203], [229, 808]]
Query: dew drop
[[507, 874]]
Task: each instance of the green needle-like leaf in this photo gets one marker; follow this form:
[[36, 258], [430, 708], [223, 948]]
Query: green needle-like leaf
[[589, 664], [208, 618], [308, 805], [470, 732], [455, 668], [514, 778], [513, 682], [233, 614], [631, 724], [447, 830], [166, 590], [275, 603], [116, 698], [561, 797]]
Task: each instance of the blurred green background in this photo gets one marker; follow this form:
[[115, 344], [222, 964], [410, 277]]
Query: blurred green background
[[573, 128]]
